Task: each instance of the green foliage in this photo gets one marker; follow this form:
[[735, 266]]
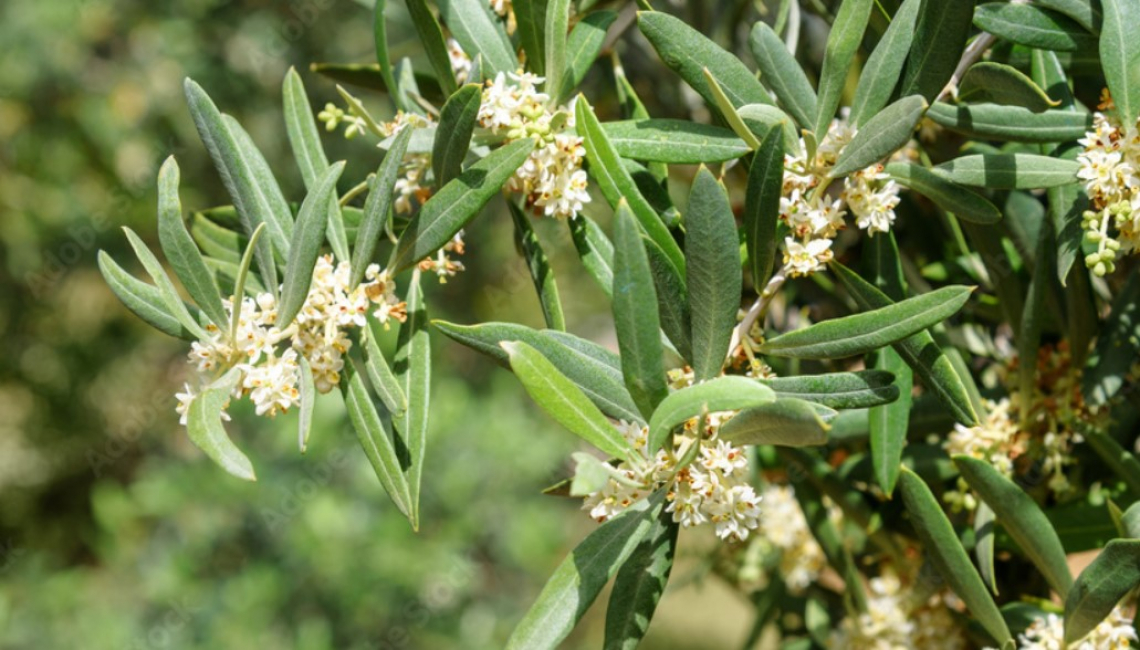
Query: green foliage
[[956, 367]]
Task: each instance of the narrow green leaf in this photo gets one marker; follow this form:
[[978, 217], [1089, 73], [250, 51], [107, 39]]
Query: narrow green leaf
[[541, 272], [412, 367], [1035, 311], [453, 136], [456, 203], [883, 68], [1000, 171], [962, 202], [308, 392], [1117, 346], [479, 33], [984, 545], [728, 111], [577, 582], [882, 135], [180, 250], [305, 142], [1086, 12], [595, 251], [688, 52], [920, 351], [308, 235], [838, 390], [169, 294], [143, 299], [639, 585], [431, 37], [635, 316], [1120, 56], [616, 183], [380, 38], [852, 502], [1100, 587], [1049, 75], [761, 119], [871, 330], [376, 439], [554, 43], [204, 426], [255, 203], [674, 141], [1032, 26], [842, 43], [1003, 84], [216, 241], [593, 369], [585, 44], [889, 423], [783, 74], [563, 400], [665, 257], [1130, 520], [368, 76], [826, 533], [939, 40], [530, 16], [1011, 123], [279, 220], [381, 196], [1122, 462], [762, 206], [1022, 518], [788, 422], [728, 393], [240, 280], [949, 557], [712, 263], [388, 388]]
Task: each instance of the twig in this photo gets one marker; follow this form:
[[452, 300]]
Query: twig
[[757, 310], [973, 52]]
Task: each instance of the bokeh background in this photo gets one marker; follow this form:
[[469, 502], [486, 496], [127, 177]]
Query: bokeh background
[[115, 532]]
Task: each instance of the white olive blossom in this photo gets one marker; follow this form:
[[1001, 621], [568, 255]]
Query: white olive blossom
[[896, 619], [814, 209], [1048, 633], [1110, 169], [713, 489], [551, 179]]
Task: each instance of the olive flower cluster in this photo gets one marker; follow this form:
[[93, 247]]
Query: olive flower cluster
[[268, 357]]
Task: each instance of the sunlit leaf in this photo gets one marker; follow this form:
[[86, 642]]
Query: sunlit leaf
[[563, 400], [948, 555]]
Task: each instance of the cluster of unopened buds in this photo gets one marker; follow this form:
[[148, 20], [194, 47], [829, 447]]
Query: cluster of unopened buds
[[1110, 168], [816, 216], [269, 375]]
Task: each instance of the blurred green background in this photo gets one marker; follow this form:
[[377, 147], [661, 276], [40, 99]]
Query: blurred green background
[[115, 532]]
